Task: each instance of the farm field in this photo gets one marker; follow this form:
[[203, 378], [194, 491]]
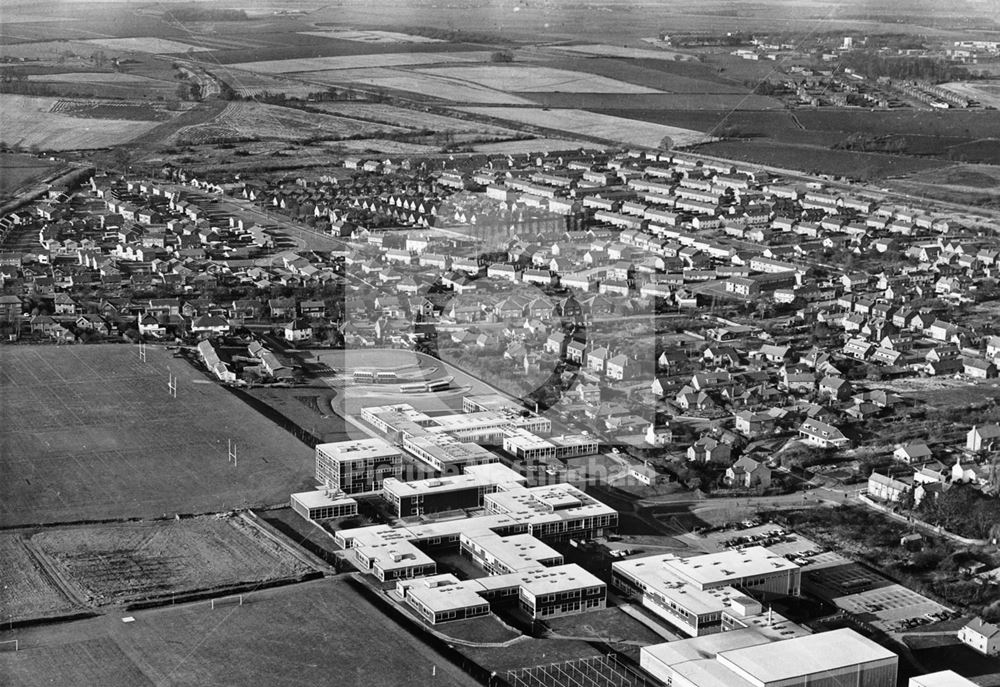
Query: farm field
[[865, 166], [28, 121], [94, 434], [384, 146], [319, 64], [373, 36], [148, 44], [410, 118], [417, 85], [593, 124], [319, 632], [251, 120], [694, 103], [660, 75], [93, 77], [531, 145], [528, 78], [625, 52], [26, 592], [124, 562], [18, 170]]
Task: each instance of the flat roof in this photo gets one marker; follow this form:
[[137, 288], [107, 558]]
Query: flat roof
[[709, 673], [321, 499], [721, 567], [944, 678], [448, 449], [697, 648], [451, 483], [497, 473], [394, 555], [800, 656], [517, 551], [448, 596], [558, 578], [358, 449]]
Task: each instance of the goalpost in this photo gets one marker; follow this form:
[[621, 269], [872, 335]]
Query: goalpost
[[6, 645], [228, 601]]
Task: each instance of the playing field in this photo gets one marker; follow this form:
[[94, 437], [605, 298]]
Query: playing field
[[317, 633], [530, 78], [124, 562], [593, 124], [18, 170], [27, 121], [90, 432]]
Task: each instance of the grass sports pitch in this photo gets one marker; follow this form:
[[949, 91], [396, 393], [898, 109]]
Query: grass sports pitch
[[91, 433]]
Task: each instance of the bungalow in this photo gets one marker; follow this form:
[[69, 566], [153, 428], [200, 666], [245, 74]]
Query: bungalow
[[211, 325], [913, 453], [823, 435]]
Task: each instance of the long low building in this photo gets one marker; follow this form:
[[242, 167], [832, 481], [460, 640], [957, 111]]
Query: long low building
[[540, 593], [704, 594], [323, 505], [747, 659]]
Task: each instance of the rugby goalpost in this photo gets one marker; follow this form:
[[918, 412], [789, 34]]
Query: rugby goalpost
[[228, 601]]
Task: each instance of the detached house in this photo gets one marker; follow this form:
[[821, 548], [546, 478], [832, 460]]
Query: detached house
[[823, 435]]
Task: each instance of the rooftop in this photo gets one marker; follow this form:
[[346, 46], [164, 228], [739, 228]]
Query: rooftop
[[800, 656]]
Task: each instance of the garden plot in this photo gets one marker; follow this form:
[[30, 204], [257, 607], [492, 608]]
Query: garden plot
[[319, 64], [373, 36], [529, 78], [123, 562], [595, 125], [26, 590]]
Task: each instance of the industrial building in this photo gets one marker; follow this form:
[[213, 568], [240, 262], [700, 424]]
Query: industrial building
[[323, 504], [709, 593], [359, 466], [748, 659]]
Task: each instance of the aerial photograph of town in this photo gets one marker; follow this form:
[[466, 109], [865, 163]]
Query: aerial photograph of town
[[513, 343]]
